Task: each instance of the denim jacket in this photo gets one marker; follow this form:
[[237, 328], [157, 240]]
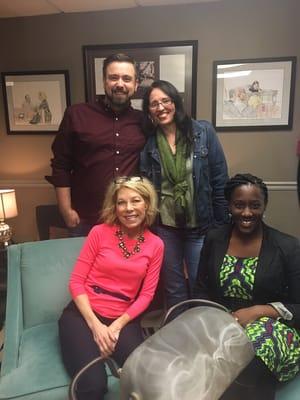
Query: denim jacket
[[209, 173]]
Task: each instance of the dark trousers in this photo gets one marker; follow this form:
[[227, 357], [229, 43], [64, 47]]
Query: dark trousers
[[79, 348], [82, 229], [182, 246], [255, 382]]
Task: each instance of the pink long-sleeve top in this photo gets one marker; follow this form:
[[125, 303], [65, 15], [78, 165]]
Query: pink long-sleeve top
[[101, 267]]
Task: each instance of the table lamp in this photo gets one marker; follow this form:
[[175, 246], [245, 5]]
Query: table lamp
[[8, 209]]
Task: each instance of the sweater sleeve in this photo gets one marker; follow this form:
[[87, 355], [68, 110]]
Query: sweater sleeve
[[84, 263], [62, 148], [149, 284]]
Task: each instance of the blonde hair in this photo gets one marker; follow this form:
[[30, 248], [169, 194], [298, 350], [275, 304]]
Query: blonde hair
[[139, 184]]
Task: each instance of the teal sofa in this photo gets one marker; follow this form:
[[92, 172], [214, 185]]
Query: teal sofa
[[38, 274], [32, 368]]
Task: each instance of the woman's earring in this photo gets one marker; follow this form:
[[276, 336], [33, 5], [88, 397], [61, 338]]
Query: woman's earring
[[152, 120]]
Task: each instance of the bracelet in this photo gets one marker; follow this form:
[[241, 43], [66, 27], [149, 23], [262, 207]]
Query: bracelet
[[283, 312]]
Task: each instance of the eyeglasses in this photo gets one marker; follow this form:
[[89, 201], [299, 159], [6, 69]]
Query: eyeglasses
[[123, 179], [164, 102]]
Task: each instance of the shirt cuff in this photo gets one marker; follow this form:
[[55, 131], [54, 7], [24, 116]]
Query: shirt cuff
[[58, 180], [282, 310]]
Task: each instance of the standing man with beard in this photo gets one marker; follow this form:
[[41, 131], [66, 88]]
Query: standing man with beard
[[96, 143]]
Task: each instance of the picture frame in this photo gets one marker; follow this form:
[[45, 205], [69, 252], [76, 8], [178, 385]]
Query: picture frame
[[253, 94], [172, 61], [35, 101]]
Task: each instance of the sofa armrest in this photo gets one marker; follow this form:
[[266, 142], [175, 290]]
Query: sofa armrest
[[14, 311]]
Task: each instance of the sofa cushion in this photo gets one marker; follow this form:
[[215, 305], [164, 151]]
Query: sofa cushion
[[41, 369], [40, 366], [53, 394], [47, 268], [289, 390]]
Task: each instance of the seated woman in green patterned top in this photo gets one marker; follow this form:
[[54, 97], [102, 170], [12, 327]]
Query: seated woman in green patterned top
[[254, 270]]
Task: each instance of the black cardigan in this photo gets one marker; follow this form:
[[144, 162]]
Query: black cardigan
[[277, 275]]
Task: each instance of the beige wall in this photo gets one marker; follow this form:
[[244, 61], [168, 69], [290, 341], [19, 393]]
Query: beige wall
[[230, 29]]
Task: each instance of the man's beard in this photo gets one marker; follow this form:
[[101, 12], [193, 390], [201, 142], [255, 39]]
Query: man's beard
[[117, 101]]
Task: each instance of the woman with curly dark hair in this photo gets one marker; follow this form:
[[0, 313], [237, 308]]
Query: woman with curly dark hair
[[185, 161]]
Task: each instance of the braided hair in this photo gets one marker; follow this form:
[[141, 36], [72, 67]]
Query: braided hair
[[245, 179]]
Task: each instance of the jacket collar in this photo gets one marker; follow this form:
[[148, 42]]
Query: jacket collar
[[266, 255]]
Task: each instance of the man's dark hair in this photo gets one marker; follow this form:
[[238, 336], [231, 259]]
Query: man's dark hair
[[245, 179], [118, 57]]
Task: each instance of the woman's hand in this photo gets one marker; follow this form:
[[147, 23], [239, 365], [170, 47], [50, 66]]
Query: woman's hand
[[105, 338], [116, 326], [247, 315], [115, 330]]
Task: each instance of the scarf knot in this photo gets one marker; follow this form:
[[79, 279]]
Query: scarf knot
[[175, 172]]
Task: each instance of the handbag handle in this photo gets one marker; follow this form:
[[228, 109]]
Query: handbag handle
[[198, 302], [114, 369]]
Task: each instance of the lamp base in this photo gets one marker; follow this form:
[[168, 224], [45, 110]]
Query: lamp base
[[5, 233]]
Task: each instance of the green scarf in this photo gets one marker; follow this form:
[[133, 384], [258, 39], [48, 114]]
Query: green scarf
[[175, 171]]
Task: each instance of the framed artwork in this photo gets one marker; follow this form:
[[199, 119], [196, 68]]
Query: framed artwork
[[253, 94], [35, 101], [175, 62]]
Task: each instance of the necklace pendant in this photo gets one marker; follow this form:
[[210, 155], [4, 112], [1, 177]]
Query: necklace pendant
[[122, 245]]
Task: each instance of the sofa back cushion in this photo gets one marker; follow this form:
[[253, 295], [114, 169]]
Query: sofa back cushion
[[45, 271]]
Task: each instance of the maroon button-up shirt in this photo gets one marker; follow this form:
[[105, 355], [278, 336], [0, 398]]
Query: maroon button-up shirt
[[93, 146]]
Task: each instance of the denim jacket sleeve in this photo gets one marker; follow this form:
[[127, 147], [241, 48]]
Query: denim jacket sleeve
[[217, 172], [150, 164]]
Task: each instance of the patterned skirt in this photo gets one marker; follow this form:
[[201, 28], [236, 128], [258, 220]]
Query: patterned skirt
[[277, 345]]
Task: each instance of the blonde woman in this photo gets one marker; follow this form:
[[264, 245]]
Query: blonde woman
[[113, 282]]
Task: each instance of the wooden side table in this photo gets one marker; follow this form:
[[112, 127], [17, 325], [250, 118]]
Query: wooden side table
[[3, 279]]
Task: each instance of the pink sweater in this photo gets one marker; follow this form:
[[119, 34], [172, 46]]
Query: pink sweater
[[101, 263]]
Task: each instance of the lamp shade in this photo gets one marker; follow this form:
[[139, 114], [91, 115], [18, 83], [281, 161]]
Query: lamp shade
[[8, 205]]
